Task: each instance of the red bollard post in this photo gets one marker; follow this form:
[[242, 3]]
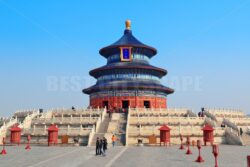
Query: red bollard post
[[199, 158], [3, 152], [248, 161], [188, 144], [181, 147], [216, 153], [28, 144]]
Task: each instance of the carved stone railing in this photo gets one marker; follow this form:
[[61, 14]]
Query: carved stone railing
[[70, 131], [26, 124], [167, 120], [230, 124], [232, 113], [190, 113], [210, 122], [209, 115], [232, 137], [127, 127], [97, 125], [156, 112], [4, 128], [66, 120], [91, 136]]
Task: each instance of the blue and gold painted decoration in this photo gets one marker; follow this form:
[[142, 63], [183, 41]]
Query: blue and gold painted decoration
[[126, 53]]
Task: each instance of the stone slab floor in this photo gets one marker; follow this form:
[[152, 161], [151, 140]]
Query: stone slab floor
[[17, 156]]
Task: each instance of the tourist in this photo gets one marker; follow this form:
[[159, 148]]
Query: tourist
[[109, 111], [105, 145], [113, 140], [101, 147], [97, 147], [241, 131], [199, 114]]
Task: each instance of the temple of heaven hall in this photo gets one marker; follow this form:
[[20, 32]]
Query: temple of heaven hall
[[128, 80]]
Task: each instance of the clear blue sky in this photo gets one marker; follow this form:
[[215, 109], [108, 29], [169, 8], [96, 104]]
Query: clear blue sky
[[204, 45]]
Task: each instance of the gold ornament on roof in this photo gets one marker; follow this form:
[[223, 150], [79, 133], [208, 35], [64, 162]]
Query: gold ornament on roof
[[128, 24]]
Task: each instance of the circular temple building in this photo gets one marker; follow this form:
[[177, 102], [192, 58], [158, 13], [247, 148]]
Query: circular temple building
[[128, 79]]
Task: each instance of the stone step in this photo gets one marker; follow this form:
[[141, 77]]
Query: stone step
[[104, 125], [120, 131]]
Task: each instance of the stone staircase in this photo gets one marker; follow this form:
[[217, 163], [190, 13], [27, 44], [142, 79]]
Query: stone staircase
[[115, 125], [5, 127], [231, 130], [101, 130], [246, 139], [121, 127]]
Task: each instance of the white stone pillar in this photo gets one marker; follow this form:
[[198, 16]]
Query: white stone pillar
[[192, 129], [68, 130], [81, 129], [53, 119], [140, 130], [45, 129], [179, 127], [34, 128]]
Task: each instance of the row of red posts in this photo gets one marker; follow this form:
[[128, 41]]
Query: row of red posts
[[207, 134], [207, 137], [215, 150], [15, 137]]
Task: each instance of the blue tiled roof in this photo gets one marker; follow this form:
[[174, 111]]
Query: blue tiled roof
[[128, 40], [124, 85]]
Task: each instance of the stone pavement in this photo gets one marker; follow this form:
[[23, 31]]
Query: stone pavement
[[229, 156]]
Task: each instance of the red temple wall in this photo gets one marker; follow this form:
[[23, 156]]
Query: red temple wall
[[134, 101]]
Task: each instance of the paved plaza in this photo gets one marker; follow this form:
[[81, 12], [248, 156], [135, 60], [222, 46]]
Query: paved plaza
[[230, 156]]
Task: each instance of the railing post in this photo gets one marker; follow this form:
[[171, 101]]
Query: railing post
[[45, 128], [34, 129], [68, 129], [81, 129]]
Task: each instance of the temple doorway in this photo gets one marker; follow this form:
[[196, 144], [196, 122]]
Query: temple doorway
[[105, 104], [125, 104], [147, 104]]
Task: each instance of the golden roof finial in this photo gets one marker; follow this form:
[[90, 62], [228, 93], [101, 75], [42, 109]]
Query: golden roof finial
[[128, 24]]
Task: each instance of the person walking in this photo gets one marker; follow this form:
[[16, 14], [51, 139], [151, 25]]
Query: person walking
[[101, 147], [109, 111], [241, 131], [105, 145], [113, 140], [97, 146]]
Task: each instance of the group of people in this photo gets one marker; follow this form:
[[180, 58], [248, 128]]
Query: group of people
[[101, 146]]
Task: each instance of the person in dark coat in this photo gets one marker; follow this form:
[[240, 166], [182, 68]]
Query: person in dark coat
[[97, 146], [109, 111], [241, 131], [105, 145], [101, 147], [199, 114]]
